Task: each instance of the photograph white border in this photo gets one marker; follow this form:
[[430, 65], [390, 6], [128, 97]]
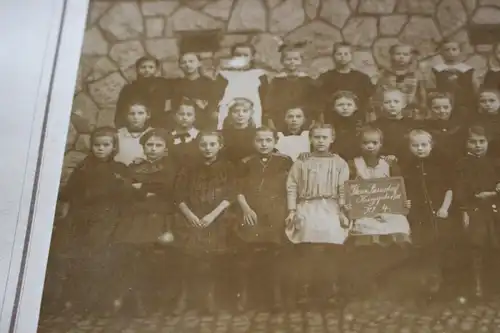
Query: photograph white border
[[43, 40]]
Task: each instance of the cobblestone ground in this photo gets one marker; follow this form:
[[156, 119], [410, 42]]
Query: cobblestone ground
[[359, 317]]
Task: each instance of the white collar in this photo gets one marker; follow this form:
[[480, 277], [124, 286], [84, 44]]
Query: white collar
[[126, 133], [193, 133], [461, 67]]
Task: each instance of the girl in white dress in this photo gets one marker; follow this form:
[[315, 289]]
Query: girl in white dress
[[295, 140], [244, 81], [378, 244], [316, 222]]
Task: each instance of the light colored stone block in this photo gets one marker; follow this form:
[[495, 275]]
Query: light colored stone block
[[311, 8], [123, 21], [417, 6], [422, 33], [220, 9], [155, 27], [159, 8], [320, 34], [102, 67], [392, 25], [97, 8], [487, 15], [247, 15], [126, 53], [335, 12], [377, 6], [361, 31], [106, 90], [163, 49], [451, 16], [287, 16], [94, 43], [187, 19]]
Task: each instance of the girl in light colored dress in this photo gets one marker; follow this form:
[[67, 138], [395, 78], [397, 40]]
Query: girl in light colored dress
[[295, 139], [316, 222], [243, 81], [375, 243]]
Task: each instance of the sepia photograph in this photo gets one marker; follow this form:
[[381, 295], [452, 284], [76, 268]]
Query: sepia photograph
[[248, 166]]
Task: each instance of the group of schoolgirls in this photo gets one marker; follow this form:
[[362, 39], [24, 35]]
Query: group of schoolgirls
[[241, 166]]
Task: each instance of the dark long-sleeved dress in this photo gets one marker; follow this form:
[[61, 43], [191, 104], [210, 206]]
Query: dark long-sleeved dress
[[457, 80], [395, 132], [491, 79], [491, 122], [355, 81], [238, 143], [285, 92], [154, 92], [448, 137], [427, 180], [475, 175], [347, 141], [204, 89], [95, 192], [149, 212], [183, 147], [262, 181], [202, 188]]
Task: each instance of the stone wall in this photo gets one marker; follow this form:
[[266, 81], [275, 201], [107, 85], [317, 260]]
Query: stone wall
[[119, 32]]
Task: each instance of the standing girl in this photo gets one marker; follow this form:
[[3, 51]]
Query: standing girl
[[92, 201], [203, 193], [203, 90], [239, 130], [289, 88], [477, 185], [345, 117], [316, 219], [129, 136], [146, 223], [492, 77], [429, 188], [403, 76], [243, 81], [294, 140], [263, 204], [376, 244]]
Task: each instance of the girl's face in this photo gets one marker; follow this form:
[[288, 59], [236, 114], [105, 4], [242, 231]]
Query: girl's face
[[155, 148], [345, 107], [209, 146], [264, 142], [292, 60], [420, 145], [371, 143], [295, 119], [241, 114], [441, 108], [321, 139], [185, 116], [147, 69], [137, 117], [342, 56], [477, 144], [189, 63], [450, 52], [103, 147], [489, 102], [401, 56], [243, 52], [393, 104]]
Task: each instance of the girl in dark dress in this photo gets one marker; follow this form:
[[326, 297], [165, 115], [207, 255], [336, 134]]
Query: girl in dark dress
[[183, 146], [429, 188], [203, 90], [203, 194], [239, 130], [477, 184], [262, 199], [148, 88], [344, 115], [445, 128], [146, 223], [455, 77], [346, 78], [289, 88], [393, 124], [492, 76], [91, 208], [489, 117]]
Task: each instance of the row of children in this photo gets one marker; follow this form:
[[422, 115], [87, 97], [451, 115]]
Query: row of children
[[291, 87], [210, 194]]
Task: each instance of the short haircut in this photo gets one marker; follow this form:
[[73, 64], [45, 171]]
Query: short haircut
[[146, 58], [338, 45], [416, 132], [478, 130], [155, 132], [106, 131], [317, 126], [344, 94], [439, 95], [449, 41], [241, 46], [217, 134], [368, 129], [267, 129], [138, 103]]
